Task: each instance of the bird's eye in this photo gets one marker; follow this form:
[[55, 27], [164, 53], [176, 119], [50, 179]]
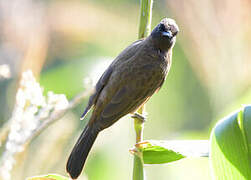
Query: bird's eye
[[162, 27]]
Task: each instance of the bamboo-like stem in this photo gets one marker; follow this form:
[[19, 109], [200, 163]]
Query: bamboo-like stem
[[138, 169], [144, 31], [145, 18]]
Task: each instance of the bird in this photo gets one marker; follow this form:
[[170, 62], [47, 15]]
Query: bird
[[130, 80]]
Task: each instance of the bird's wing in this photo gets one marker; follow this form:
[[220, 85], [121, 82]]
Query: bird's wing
[[118, 103], [98, 88], [124, 55], [122, 103], [126, 100]]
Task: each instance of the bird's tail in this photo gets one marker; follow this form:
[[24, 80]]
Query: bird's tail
[[80, 151]]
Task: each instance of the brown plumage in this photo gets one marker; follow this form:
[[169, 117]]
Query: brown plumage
[[130, 80]]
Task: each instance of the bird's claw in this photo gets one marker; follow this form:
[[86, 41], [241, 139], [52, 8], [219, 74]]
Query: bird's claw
[[139, 116]]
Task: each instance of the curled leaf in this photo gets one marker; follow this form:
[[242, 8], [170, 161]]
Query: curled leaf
[[230, 146]]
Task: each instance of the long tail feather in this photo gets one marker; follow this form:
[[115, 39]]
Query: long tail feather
[[80, 152]]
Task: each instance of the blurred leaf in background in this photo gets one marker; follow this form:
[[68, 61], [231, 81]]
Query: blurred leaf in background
[[230, 146]]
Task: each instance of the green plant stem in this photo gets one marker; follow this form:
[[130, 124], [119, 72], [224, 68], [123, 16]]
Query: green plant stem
[[144, 31], [145, 18], [138, 170]]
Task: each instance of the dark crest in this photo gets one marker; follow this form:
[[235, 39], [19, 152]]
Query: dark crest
[[164, 34]]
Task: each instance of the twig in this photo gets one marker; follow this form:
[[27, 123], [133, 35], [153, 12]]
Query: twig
[[4, 132], [59, 114], [54, 116], [32, 114]]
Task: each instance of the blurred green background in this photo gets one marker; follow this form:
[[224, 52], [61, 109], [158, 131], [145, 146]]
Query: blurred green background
[[67, 43]]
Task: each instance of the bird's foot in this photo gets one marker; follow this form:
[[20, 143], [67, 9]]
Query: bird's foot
[[139, 116]]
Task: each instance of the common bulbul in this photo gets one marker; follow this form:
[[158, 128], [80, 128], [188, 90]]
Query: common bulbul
[[130, 80]]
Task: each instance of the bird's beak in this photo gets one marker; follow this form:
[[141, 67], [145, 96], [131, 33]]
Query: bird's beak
[[167, 34]]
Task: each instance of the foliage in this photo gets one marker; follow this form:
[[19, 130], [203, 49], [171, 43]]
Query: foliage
[[230, 146], [159, 152]]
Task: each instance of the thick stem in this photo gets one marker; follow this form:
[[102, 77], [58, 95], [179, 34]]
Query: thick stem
[[144, 30], [145, 18], [138, 169]]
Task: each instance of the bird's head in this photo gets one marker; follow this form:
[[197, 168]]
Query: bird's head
[[164, 34]]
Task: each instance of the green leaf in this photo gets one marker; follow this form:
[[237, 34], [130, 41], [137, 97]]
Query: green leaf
[[159, 152], [247, 128], [230, 144], [49, 177], [156, 154]]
